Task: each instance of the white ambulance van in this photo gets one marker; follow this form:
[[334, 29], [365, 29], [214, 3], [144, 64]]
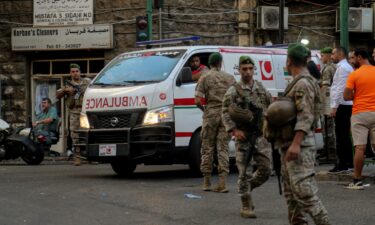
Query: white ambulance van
[[140, 108]]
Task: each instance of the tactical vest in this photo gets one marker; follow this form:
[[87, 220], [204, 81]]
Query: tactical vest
[[254, 107], [74, 102], [286, 132]]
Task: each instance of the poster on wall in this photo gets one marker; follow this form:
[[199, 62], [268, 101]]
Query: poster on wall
[[63, 12], [62, 38]]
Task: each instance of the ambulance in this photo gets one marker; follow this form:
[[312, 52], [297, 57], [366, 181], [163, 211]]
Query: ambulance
[[140, 108]]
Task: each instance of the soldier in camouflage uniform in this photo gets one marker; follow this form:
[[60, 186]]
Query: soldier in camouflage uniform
[[249, 97], [327, 121], [298, 153], [73, 100], [212, 86]]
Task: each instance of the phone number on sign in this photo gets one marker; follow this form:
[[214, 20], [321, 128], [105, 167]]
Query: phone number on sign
[[72, 45]]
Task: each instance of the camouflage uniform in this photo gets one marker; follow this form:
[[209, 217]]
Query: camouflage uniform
[[328, 122], [74, 106], [261, 150], [213, 86], [300, 189]]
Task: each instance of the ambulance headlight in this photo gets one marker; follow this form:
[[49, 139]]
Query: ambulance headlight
[[84, 121], [159, 115]]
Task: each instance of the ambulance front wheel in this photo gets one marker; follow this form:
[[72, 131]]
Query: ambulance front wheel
[[123, 167], [195, 154]]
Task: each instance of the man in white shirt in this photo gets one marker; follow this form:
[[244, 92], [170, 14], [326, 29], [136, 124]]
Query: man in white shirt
[[341, 111]]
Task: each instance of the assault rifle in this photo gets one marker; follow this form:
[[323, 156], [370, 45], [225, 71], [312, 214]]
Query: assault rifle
[[76, 88], [276, 160]]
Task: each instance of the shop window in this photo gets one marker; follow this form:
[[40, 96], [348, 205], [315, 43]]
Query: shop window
[[42, 67], [63, 67], [96, 66]]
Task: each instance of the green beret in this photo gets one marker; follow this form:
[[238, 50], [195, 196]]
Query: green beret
[[326, 50], [297, 51], [245, 60], [214, 58], [74, 65]]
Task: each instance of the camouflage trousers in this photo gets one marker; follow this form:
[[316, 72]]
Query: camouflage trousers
[[214, 139], [300, 189], [247, 179], [329, 136], [73, 126]]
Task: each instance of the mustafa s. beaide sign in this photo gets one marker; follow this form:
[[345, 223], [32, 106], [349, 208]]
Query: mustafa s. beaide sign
[[63, 12]]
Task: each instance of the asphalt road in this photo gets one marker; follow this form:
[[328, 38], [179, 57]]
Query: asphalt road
[[93, 195]]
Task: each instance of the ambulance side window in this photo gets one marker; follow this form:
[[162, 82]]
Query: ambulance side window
[[198, 64]]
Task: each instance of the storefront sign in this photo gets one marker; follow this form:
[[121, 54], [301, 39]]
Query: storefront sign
[[62, 38], [63, 12]]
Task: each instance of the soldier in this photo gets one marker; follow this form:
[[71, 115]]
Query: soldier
[[243, 107], [328, 122], [213, 86], [73, 94], [297, 147]]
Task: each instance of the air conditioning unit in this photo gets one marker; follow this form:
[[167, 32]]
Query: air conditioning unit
[[359, 19], [268, 17]]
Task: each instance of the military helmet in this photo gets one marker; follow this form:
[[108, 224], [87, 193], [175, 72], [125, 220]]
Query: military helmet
[[281, 112]]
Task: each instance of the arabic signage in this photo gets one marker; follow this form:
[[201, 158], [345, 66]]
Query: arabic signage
[[62, 38], [63, 12]]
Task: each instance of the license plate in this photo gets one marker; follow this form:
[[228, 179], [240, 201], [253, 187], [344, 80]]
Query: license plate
[[107, 150]]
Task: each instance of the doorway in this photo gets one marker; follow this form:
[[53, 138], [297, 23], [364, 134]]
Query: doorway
[[47, 76]]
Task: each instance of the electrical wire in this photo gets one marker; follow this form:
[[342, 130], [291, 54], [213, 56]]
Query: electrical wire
[[201, 35], [312, 30], [312, 13], [16, 23], [200, 22], [207, 14]]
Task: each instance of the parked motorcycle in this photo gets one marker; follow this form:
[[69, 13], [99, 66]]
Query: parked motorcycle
[[24, 143]]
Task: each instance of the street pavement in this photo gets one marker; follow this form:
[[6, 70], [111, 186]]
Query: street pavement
[[62, 194]]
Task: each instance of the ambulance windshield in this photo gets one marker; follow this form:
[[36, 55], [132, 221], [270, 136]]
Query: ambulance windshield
[[139, 68]]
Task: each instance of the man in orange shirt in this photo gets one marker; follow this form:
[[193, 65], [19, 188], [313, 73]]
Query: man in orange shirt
[[360, 88]]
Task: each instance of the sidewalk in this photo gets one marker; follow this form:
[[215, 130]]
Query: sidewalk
[[321, 170], [48, 160], [323, 175]]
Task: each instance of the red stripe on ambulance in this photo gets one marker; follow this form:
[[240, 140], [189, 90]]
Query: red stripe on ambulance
[[186, 101], [184, 134]]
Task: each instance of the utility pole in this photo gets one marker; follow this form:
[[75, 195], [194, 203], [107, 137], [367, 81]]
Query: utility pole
[[281, 21], [344, 35], [149, 18]]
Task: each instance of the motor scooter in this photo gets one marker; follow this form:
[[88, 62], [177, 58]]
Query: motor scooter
[[24, 143]]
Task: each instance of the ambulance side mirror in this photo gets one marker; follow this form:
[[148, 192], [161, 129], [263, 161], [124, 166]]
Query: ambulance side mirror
[[185, 76]]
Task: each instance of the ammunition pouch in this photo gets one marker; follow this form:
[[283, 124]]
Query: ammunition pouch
[[283, 133], [240, 115]]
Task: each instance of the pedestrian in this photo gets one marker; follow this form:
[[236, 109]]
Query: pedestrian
[[212, 87], [73, 94], [312, 67], [243, 107], [351, 59], [297, 147], [341, 111], [197, 69], [46, 121], [360, 88], [328, 122]]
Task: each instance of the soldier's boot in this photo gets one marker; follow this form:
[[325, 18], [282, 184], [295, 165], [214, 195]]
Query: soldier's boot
[[77, 161], [221, 187], [206, 183], [77, 156], [247, 210]]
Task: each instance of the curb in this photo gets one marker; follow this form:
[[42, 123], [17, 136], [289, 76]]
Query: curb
[[323, 175]]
